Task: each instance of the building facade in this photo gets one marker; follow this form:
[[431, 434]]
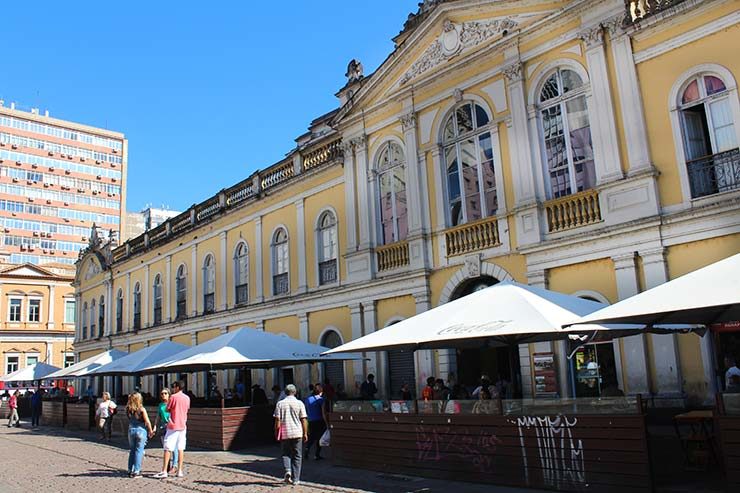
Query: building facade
[[590, 147], [37, 309], [139, 222]]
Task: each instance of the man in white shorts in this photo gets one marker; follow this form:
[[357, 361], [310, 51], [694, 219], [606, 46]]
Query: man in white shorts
[[175, 438]]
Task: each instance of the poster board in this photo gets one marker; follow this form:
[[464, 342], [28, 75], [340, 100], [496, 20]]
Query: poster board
[[545, 375]]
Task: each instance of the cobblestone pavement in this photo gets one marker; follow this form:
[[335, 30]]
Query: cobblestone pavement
[[53, 460]]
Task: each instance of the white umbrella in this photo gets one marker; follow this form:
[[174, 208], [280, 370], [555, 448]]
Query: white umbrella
[[37, 371], [705, 296], [135, 362], [84, 367], [245, 347], [505, 314]]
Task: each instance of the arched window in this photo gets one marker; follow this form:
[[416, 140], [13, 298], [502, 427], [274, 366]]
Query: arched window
[[93, 318], [241, 273], [101, 317], [280, 262], [333, 370], [392, 188], [181, 287], [209, 284], [566, 134], [157, 291], [709, 136], [327, 248], [84, 320], [119, 311], [468, 152], [137, 306]]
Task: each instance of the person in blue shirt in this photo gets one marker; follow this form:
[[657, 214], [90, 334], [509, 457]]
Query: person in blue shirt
[[317, 424]]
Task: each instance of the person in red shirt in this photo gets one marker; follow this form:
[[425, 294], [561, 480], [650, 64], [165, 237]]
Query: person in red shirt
[[427, 393], [175, 437], [13, 419]]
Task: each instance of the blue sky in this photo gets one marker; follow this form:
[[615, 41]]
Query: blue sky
[[206, 92]]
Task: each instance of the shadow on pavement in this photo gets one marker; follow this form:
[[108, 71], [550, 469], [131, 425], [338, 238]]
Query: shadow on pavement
[[240, 484], [95, 473]]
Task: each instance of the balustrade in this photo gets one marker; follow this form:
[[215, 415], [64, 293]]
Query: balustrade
[[573, 211], [328, 271], [470, 237], [393, 256], [322, 155], [277, 175], [207, 209], [639, 9]]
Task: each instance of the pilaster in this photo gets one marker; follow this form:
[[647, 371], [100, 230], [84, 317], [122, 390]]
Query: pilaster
[[424, 357], [224, 295], [363, 201], [145, 291], [601, 107], [50, 309], [634, 347], [413, 180], [193, 279], [375, 364], [167, 298], [355, 313], [258, 275], [349, 194], [301, 240]]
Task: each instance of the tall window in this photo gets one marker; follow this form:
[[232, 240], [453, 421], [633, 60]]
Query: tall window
[[84, 320], [137, 306], [241, 273], [709, 136], [11, 364], [14, 310], [70, 311], [327, 248], [209, 284], [566, 134], [93, 317], [182, 292], [280, 262], [101, 317], [32, 359], [392, 188], [69, 359], [119, 311], [471, 178], [34, 310], [157, 291]]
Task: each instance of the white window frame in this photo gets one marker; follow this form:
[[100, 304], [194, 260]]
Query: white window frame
[[119, 308], [274, 259], [12, 298], [28, 309], [65, 355], [136, 302], [85, 324], [73, 301], [181, 285], [385, 147], [674, 106], [320, 244], [18, 363], [157, 293], [33, 355], [209, 280], [238, 281]]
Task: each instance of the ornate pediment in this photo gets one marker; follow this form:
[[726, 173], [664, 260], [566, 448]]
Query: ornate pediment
[[27, 270], [456, 38]]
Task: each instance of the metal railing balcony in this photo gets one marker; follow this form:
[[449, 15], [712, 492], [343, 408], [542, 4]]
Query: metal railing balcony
[[713, 174]]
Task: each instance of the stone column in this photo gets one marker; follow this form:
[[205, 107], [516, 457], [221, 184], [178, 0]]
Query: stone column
[[109, 301], [259, 294], [636, 377], [301, 244], [349, 194], [358, 367], [374, 364], [129, 303], [601, 109], [424, 357], [194, 279], [363, 201], [196, 375], [145, 290], [222, 275], [167, 300], [78, 317], [630, 99], [413, 181], [303, 372], [440, 215], [664, 347], [50, 309]]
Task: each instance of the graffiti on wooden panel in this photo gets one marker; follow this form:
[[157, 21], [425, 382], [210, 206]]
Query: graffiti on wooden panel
[[560, 454], [434, 444]]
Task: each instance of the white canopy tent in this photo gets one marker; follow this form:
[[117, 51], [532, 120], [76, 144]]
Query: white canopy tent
[[84, 367], [37, 371], [245, 347], [505, 314], [135, 362], [704, 296]]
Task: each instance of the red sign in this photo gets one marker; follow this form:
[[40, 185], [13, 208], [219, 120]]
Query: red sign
[[726, 327]]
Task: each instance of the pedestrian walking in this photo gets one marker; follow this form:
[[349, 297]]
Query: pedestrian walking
[[317, 423], [163, 418], [175, 437], [36, 408], [104, 416], [291, 430], [13, 419], [139, 431]]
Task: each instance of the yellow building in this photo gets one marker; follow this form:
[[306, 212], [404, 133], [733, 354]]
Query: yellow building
[[577, 145], [37, 308]]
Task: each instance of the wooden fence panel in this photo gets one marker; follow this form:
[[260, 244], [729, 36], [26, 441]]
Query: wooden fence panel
[[729, 437]]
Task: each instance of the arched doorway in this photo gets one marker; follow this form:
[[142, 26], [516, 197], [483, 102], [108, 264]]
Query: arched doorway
[[495, 362], [401, 370], [333, 370]]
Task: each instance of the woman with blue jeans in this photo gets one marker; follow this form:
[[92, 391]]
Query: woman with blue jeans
[[139, 431]]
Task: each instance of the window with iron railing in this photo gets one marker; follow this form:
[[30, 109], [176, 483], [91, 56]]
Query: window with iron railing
[[93, 331], [714, 174], [137, 321], [209, 303], [242, 293], [157, 315], [328, 272], [280, 284], [181, 309]]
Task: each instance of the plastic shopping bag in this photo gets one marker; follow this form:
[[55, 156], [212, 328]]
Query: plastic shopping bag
[[324, 440]]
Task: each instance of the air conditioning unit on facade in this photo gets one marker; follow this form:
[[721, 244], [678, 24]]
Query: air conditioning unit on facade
[[46, 185], [50, 153], [23, 248], [82, 158], [52, 252], [66, 171], [98, 177], [34, 166], [97, 161], [49, 235], [48, 201], [18, 163], [62, 155], [14, 146], [35, 233], [43, 233]]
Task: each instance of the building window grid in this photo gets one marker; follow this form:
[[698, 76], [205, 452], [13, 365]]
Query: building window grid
[[468, 154], [101, 317], [119, 311], [11, 363], [60, 132], [70, 311], [241, 274], [45, 145], [34, 310], [69, 359], [44, 194], [280, 263], [23, 157], [32, 359], [209, 284], [60, 180], [93, 316], [15, 306], [137, 307], [393, 202], [84, 320], [157, 292], [181, 289], [327, 247]]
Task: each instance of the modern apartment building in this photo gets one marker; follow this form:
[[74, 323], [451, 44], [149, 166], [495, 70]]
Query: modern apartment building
[[57, 179], [139, 222]]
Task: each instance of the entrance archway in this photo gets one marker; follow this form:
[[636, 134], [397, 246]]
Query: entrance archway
[[333, 370]]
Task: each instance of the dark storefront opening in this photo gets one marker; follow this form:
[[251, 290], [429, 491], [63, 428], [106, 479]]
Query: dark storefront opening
[[726, 339], [594, 371]]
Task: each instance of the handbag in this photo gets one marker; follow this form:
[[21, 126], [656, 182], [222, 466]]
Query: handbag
[[325, 439], [279, 433]]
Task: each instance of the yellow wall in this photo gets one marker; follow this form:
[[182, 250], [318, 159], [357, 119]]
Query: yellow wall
[[689, 257], [390, 308], [283, 325], [337, 318], [597, 275]]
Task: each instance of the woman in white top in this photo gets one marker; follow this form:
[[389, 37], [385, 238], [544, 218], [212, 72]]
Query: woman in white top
[[104, 415]]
